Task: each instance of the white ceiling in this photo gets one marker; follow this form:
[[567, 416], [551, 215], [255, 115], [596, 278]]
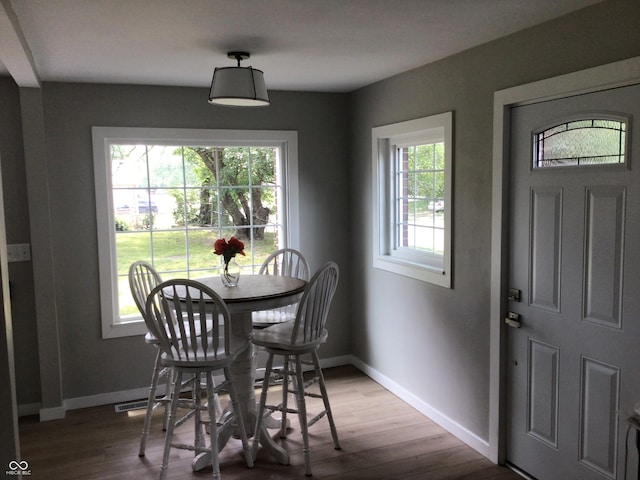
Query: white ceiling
[[308, 45]]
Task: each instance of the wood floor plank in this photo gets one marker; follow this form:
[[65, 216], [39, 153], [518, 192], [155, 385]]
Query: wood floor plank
[[381, 437]]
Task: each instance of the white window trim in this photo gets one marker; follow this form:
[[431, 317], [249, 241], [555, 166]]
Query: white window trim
[[105, 136], [384, 139]]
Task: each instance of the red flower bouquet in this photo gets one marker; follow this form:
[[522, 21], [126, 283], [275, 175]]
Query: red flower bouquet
[[228, 249]]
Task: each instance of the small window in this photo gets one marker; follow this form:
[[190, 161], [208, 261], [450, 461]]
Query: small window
[[412, 164], [598, 140]]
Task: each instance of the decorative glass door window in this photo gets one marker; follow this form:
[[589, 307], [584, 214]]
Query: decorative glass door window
[[598, 140]]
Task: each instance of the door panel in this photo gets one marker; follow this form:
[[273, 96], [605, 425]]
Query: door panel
[[543, 392], [599, 400], [546, 242], [574, 254], [605, 218]]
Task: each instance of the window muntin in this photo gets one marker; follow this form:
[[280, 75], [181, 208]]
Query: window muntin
[[598, 140], [168, 196], [166, 202], [412, 164], [419, 194]]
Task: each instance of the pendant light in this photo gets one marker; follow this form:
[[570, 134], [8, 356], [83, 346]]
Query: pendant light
[[238, 86]]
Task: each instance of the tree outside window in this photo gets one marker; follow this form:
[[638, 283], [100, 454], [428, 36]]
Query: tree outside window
[[167, 203]]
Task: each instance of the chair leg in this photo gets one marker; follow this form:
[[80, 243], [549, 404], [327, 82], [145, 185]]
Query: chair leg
[[151, 401], [302, 416], [285, 396], [170, 427], [325, 399], [233, 394], [169, 385], [213, 429], [196, 395], [263, 402]]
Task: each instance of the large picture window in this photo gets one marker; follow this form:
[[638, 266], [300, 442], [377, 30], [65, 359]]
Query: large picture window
[[165, 196], [412, 164]]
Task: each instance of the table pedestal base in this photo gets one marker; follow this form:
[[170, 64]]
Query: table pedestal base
[[243, 370], [202, 460]]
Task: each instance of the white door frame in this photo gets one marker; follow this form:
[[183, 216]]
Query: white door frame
[[618, 74]]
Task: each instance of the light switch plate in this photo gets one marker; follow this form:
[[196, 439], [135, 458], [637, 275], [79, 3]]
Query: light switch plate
[[19, 252]]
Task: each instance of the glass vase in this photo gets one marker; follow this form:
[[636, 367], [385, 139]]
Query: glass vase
[[230, 273]]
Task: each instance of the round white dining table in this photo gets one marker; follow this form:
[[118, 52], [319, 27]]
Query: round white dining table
[[253, 293]]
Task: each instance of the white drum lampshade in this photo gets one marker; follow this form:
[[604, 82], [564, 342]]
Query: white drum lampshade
[[238, 86]]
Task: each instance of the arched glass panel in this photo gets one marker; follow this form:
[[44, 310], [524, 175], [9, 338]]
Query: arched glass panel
[[588, 141]]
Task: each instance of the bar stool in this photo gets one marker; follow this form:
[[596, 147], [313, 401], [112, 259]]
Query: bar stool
[[142, 279], [177, 326], [292, 340]]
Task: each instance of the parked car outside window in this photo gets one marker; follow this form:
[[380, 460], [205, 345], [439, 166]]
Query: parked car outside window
[[436, 206], [143, 207]]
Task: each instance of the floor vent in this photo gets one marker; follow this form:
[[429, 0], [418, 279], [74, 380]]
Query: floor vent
[[126, 407]]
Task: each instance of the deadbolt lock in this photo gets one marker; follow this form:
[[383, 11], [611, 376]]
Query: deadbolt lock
[[514, 295], [512, 319]]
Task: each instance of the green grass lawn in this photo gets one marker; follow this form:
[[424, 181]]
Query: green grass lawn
[[168, 253]]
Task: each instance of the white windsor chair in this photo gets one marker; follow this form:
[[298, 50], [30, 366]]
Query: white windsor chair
[[177, 310], [291, 340], [142, 279], [286, 262]]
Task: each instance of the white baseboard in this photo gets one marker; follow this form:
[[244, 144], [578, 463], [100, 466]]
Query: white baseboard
[[336, 361], [111, 397], [123, 396], [55, 413], [478, 444]]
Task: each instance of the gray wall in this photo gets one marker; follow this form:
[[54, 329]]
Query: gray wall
[[432, 341], [91, 365]]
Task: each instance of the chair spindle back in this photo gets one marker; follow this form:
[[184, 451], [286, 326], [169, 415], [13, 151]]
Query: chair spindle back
[[314, 305], [142, 279], [286, 262], [180, 310]]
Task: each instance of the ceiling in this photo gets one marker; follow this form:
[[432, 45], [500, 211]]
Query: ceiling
[[303, 45]]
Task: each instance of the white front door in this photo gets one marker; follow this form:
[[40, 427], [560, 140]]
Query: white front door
[[574, 363]]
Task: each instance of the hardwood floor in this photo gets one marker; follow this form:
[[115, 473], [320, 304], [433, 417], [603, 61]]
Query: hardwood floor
[[381, 437]]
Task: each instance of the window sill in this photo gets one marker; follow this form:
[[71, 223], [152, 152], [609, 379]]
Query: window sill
[[424, 273], [117, 330]]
